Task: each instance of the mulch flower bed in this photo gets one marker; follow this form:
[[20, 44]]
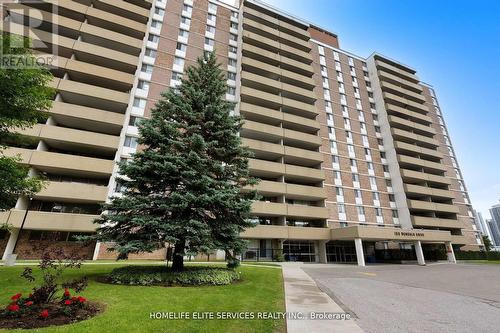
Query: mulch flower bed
[[24, 313]]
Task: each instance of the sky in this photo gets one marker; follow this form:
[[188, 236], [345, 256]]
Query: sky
[[454, 46]]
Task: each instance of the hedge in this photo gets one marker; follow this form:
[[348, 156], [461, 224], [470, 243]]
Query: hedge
[[161, 275], [477, 255]]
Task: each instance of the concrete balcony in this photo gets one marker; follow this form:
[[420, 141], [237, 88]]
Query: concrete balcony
[[286, 232], [388, 77], [105, 18], [73, 28], [52, 221], [424, 164], [405, 103], [459, 239], [260, 168], [294, 30], [428, 191], [403, 147], [260, 131], [415, 116], [250, 23], [302, 157], [301, 140], [91, 96], [259, 81], [70, 137], [432, 206], [256, 66], [63, 163], [408, 75], [433, 222], [95, 75], [85, 118], [273, 101], [409, 125], [105, 57], [292, 191], [410, 137], [275, 46], [403, 92], [261, 208], [124, 9], [415, 176], [275, 117], [274, 58], [74, 192]]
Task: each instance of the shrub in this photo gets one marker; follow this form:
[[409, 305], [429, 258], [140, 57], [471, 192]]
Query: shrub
[[233, 263], [52, 291], [477, 255], [279, 257], [161, 275]]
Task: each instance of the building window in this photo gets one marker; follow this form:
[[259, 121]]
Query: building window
[[159, 11], [231, 90], [209, 41], [212, 6], [176, 76], [139, 103], [231, 76], [150, 53], [153, 38], [181, 47], [178, 61], [360, 210], [231, 62], [183, 33], [143, 85], [235, 14], [341, 208], [233, 49], [355, 177], [234, 25], [233, 37], [378, 212], [134, 121], [185, 20], [147, 68], [212, 17], [187, 9], [210, 29], [130, 142], [335, 159], [156, 24]]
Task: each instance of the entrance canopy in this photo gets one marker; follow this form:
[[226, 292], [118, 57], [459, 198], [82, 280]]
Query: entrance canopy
[[387, 234]]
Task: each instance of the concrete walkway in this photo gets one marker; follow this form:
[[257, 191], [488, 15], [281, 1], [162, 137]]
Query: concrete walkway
[[303, 297]]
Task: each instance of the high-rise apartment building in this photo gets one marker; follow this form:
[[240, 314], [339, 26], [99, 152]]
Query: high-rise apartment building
[[354, 155]]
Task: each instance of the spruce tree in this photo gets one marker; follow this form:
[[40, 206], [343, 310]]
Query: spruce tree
[[184, 186]]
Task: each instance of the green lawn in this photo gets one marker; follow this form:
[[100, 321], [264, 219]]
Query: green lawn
[[480, 261], [129, 307]]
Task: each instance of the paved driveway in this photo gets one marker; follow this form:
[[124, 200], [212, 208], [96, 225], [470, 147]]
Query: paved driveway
[[406, 298]]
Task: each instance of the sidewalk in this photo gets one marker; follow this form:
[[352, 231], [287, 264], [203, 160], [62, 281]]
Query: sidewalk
[[303, 295]]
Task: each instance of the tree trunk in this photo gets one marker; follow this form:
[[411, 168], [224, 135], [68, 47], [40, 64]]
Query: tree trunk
[[178, 257]]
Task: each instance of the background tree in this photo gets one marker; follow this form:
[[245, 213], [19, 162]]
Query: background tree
[[184, 187], [487, 243], [24, 99]]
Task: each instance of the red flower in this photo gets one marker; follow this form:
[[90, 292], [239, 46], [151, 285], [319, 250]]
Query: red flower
[[28, 303], [67, 302], [16, 297], [13, 307], [44, 314], [66, 292], [82, 299]]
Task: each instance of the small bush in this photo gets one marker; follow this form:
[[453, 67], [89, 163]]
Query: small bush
[[161, 275], [233, 263]]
